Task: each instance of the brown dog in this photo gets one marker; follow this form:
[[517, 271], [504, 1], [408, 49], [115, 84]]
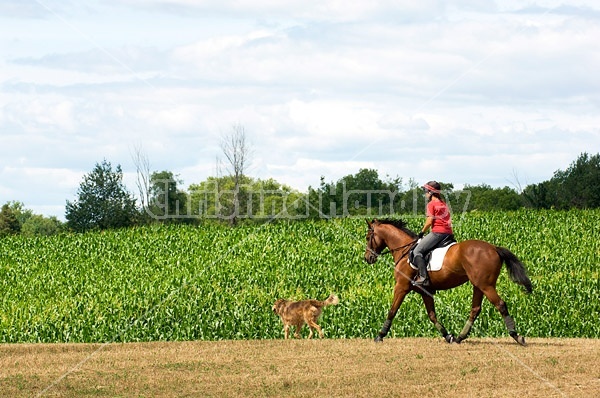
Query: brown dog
[[297, 313]]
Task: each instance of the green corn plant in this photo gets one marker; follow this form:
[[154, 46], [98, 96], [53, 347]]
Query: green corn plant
[[211, 282]]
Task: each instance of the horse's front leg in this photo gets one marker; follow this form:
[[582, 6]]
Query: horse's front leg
[[430, 307], [400, 292]]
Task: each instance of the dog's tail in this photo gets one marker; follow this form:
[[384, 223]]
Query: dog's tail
[[331, 300]]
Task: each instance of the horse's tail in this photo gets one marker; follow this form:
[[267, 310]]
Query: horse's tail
[[516, 269]]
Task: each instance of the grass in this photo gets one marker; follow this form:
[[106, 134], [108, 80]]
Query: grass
[[407, 367]]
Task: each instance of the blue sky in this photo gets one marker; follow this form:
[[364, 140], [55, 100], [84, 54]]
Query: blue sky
[[469, 92]]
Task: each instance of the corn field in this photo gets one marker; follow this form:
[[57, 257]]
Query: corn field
[[211, 282]]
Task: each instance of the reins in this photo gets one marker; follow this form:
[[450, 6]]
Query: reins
[[398, 248], [390, 250]]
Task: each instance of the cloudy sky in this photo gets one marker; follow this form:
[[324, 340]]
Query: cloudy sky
[[468, 92]]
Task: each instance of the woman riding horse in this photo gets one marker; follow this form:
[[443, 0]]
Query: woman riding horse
[[472, 260], [438, 219]]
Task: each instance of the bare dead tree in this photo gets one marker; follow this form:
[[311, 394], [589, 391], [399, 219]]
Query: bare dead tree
[[516, 183], [237, 152], [142, 167], [218, 171]]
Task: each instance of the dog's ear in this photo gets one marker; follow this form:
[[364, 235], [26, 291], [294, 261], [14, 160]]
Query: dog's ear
[[277, 305]]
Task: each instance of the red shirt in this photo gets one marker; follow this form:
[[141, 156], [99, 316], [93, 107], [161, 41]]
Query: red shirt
[[441, 217]]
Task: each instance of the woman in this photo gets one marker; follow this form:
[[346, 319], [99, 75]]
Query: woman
[[440, 222]]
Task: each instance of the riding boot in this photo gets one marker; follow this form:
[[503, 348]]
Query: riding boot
[[423, 278]]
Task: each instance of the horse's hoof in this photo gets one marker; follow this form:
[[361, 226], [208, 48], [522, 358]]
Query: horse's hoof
[[517, 338], [450, 339], [378, 339]]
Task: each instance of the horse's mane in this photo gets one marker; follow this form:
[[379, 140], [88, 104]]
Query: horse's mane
[[400, 224]]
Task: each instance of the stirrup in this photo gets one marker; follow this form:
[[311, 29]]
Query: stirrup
[[421, 281]]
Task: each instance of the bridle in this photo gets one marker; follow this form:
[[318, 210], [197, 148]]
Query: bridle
[[371, 233]]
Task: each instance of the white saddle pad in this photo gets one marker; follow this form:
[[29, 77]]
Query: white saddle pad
[[437, 258]]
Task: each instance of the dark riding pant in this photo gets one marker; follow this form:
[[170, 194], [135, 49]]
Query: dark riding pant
[[428, 243]]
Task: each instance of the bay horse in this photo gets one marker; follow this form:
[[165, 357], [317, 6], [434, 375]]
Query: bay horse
[[476, 261]]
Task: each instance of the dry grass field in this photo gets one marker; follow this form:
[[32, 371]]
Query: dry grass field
[[304, 368]]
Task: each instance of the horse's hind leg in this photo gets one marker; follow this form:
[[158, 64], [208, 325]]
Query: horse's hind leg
[[430, 307], [495, 299], [475, 310]]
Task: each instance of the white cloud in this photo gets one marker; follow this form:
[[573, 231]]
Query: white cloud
[[462, 91], [39, 188], [41, 114], [329, 10]]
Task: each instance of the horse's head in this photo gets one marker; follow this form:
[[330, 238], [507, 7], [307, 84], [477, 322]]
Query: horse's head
[[375, 243]]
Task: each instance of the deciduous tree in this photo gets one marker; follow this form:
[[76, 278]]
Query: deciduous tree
[[9, 223], [166, 201]]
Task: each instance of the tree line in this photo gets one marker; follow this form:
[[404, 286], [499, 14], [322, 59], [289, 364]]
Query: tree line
[[104, 202]]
